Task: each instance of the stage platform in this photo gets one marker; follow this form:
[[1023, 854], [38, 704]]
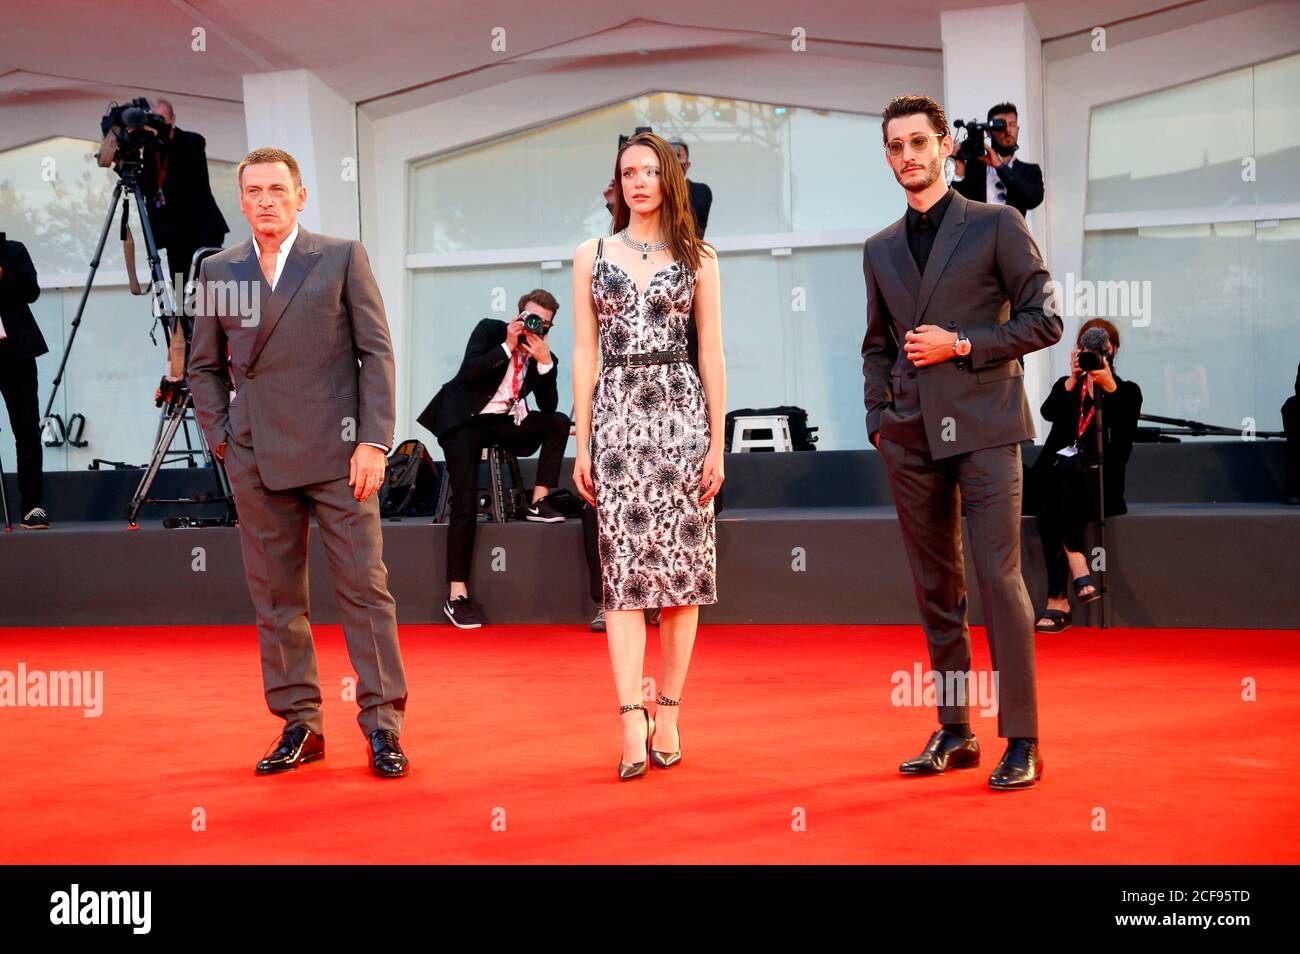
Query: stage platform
[[802, 538]]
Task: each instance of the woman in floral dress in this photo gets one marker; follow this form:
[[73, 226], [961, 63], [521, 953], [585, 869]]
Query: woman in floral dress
[[650, 431]]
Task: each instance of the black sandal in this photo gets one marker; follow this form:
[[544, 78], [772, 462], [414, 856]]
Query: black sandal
[[1059, 621], [1085, 599], [630, 770], [665, 760]]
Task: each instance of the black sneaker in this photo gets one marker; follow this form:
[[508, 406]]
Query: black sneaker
[[462, 613], [36, 520], [543, 512]]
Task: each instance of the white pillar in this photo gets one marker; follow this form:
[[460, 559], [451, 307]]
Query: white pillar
[[994, 55], [293, 110]]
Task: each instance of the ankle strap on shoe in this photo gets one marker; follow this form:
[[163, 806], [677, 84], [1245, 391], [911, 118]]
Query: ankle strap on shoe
[[665, 701], [624, 710]]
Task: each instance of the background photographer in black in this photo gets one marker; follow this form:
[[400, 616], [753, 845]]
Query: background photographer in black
[[1061, 487], [182, 210], [21, 343], [1001, 178]]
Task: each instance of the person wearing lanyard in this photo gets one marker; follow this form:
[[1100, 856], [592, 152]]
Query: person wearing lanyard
[[485, 405], [1061, 486]]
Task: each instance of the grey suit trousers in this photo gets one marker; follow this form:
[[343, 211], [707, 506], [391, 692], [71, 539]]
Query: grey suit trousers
[[273, 534], [929, 495]]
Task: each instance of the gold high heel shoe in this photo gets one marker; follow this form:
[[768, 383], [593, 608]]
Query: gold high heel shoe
[[667, 759], [628, 771]]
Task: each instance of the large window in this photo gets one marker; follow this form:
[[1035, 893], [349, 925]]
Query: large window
[[491, 222], [1194, 191], [54, 196], [1224, 334]]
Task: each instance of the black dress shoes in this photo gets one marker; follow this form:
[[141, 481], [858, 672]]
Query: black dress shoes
[[945, 750], [1020, 767], [297, 746], [386, 757]]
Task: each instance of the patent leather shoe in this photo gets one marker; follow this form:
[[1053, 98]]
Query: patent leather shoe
[[297, 746], [945, 750], [1021, 766], [387, 760]]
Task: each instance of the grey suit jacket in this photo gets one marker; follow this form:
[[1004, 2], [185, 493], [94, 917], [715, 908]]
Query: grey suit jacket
[[313, 366], [985, 277]]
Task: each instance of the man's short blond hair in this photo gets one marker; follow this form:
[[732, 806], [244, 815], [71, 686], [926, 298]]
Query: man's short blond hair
[[268, 154]]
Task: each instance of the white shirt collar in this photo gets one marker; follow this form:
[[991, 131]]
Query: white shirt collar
[[285, 246], [282, 256]]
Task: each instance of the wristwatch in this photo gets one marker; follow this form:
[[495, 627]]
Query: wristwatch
[[961, 347]]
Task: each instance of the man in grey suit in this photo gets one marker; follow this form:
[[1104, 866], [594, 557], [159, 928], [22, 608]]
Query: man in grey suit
[[306, 430], [956, 294]]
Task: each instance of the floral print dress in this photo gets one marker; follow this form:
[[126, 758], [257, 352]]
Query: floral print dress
[[649, 436]]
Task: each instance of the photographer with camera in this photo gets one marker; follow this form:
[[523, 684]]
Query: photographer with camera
[[990, 172], [182, 208], [1061, 488], [21, 343], [486, 404]]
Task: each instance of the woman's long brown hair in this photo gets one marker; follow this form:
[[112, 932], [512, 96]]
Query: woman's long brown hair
[[676, 220]]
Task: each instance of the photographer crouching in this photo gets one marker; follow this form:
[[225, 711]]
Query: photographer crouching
[[1061, 487], [485, 404]]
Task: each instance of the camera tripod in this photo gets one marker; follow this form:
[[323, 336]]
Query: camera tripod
[[178, 411], [177, 401]]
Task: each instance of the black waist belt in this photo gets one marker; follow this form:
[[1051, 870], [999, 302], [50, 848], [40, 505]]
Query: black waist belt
[[648, 357]]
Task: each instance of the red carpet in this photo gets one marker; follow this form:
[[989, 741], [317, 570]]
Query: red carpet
[[1148, 725]]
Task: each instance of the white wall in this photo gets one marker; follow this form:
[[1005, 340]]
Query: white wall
[[293, 110], [994, 55]]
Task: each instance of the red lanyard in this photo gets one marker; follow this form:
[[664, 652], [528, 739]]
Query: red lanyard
[[521, 360], [1084, 421]]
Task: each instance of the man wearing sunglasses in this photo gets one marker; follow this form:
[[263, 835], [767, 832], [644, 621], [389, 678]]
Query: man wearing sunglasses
[[956, 293], [486, 404]]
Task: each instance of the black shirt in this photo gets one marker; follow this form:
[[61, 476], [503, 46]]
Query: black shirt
[[922, 227]]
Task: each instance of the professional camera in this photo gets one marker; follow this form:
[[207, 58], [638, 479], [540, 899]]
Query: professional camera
[[972, 144], [534, 324], [1094, 350], [130, 130]]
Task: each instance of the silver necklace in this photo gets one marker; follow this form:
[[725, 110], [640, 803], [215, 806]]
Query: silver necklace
[[645, 248]]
